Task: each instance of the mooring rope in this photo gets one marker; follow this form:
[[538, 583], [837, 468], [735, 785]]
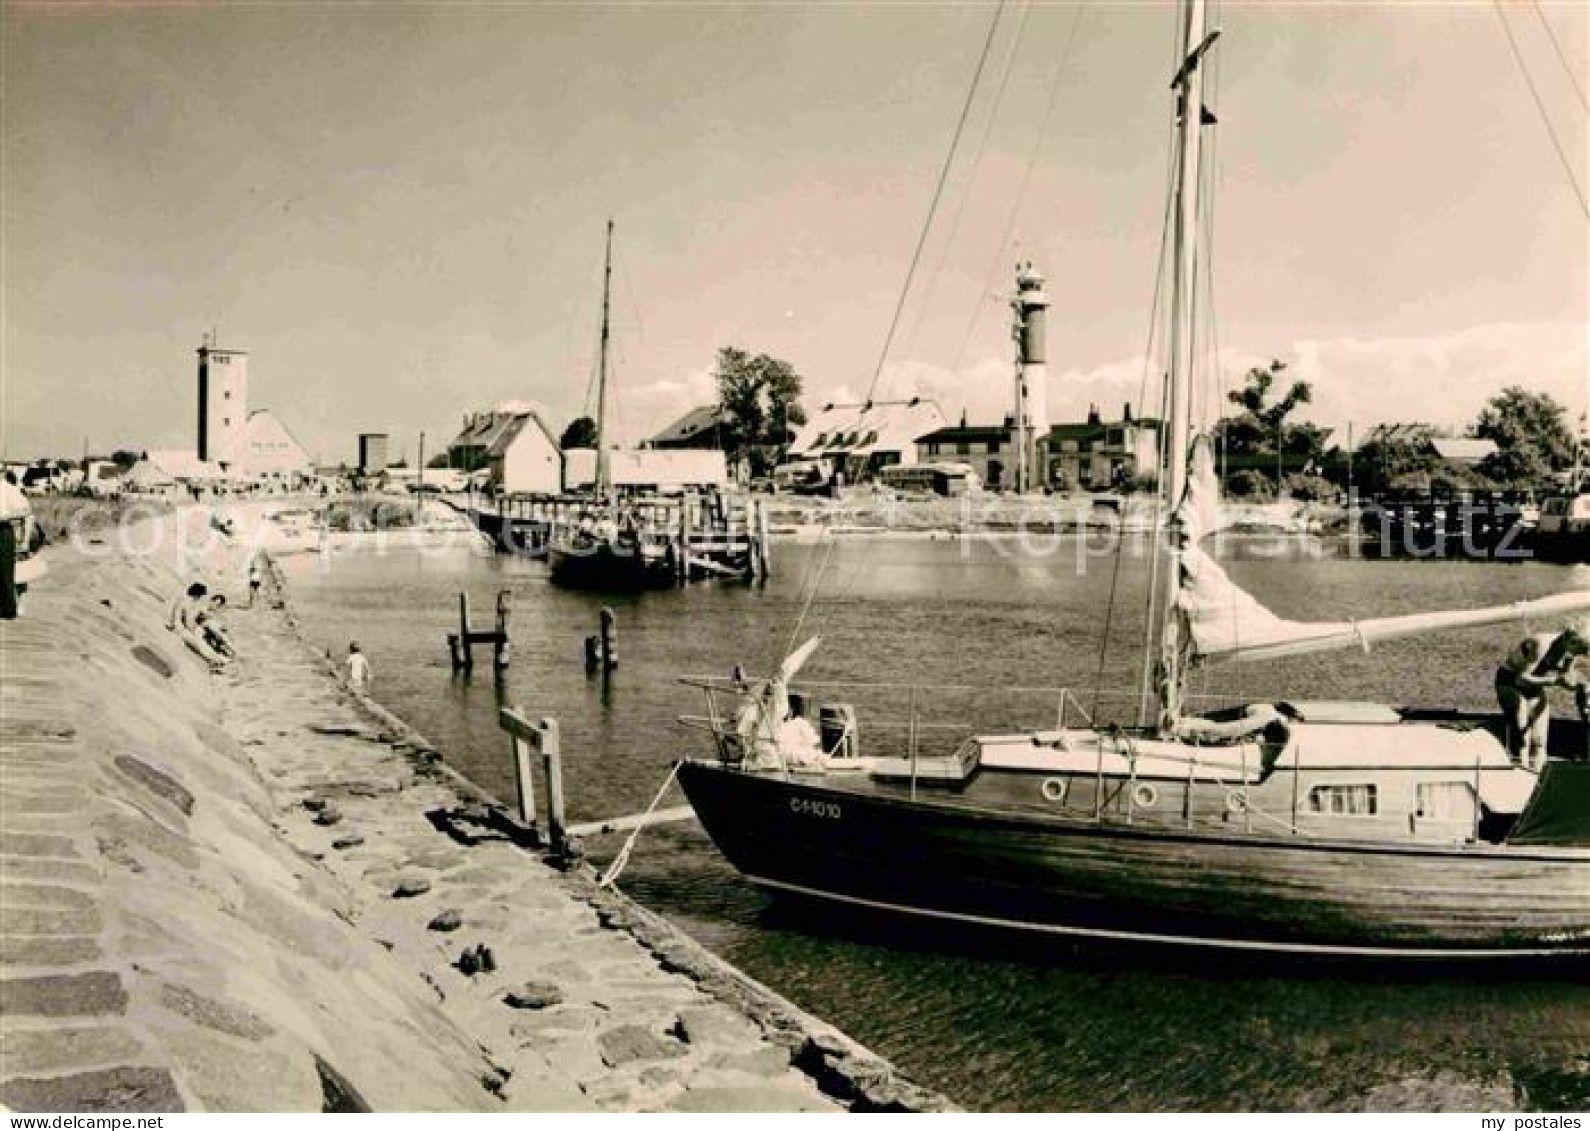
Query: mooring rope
[[616, 868]]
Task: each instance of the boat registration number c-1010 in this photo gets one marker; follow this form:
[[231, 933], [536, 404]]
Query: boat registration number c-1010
[[811, 807]]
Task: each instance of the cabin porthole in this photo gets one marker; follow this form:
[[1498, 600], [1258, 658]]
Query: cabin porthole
[[1237, 801], [1144, 795], [1054, 789]]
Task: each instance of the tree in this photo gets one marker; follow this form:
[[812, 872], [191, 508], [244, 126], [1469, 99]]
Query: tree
[[1259, 436], [1531, 434], [440, 460], [125, 459], [757, 405], [1393, 455], [581, 433]]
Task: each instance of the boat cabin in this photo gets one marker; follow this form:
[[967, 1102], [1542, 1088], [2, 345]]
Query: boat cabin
[[1338, 770]]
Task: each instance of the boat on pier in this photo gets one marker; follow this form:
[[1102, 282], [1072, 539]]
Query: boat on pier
[[1295, 825]]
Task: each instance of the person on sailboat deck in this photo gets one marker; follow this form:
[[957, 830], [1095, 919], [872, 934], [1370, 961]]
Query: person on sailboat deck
[[1532, 669]]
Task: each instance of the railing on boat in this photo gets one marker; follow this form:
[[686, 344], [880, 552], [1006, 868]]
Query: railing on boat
[[1068, 711]]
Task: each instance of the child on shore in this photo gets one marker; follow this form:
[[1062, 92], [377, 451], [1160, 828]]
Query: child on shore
[[358, 668]]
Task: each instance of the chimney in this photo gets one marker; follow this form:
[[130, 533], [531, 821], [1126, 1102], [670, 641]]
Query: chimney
[[1126, 412], [963, 418], [1093, 414]]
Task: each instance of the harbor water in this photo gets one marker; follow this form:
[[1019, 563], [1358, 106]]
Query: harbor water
[[994, 1024]]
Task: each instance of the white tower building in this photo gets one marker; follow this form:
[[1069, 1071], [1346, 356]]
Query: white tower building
[[223, 401], [1032, 380]]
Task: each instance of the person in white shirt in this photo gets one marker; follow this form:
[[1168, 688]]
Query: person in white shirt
[[358, 668]]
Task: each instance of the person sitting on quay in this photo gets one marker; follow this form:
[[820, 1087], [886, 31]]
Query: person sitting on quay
[[213, 627], [178, 611], [1524, 679], [187, 617]]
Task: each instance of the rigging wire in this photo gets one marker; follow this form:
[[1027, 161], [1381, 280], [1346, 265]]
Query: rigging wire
[[991, 275], [1540, 106], [1567, 68], [905, 290], [971, 180], [811, 590], [938, 192]]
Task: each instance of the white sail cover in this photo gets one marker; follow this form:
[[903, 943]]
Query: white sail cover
[[1227, 623]]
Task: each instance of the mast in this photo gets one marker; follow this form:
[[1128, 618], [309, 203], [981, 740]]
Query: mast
[[1188, 85], [601, 484]]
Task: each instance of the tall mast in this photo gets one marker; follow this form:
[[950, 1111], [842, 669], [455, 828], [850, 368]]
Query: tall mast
[[601, 372], [1188, 85]]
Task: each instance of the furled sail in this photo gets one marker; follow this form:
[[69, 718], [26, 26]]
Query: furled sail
[[1226, 623]]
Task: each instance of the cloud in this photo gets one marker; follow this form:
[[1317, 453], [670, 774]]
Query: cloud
[[1444, 379]]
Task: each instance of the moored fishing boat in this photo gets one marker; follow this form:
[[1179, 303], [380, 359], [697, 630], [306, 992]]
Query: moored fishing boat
[[607, 547], [1294, 825]]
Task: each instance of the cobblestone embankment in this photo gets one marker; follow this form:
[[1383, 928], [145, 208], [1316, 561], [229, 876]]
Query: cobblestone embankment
[[256, 891]]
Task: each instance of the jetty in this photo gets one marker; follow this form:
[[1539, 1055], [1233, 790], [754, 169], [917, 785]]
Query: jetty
[[702, 535], [259, 891]]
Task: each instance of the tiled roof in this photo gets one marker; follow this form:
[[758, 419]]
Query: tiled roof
[[970, 434], [692, 423]]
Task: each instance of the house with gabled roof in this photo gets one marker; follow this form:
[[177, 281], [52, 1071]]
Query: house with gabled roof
[[513, 443]]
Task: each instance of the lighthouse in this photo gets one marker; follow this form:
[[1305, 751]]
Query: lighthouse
[[1032, 387]]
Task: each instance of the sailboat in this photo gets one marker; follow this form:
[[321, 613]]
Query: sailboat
[[1296, 826], [606, 547]]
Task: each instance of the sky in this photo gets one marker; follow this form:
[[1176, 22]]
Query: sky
[[398, 209]]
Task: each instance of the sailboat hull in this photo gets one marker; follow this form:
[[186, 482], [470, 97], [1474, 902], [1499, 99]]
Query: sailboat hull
[[1110, 882]]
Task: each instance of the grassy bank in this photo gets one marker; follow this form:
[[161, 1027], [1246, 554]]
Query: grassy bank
[[60, 516]]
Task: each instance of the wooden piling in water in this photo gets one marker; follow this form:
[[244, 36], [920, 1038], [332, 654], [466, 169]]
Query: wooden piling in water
[[461, 644]]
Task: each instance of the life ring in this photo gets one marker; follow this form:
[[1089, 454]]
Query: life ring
[[1144, 795], [1237, 801], [1054, 789]]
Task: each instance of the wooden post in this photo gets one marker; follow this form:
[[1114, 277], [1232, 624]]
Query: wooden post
[[552, 760], [500, 650], [541, 735], [609, 653], [463, 631], [525, 780]]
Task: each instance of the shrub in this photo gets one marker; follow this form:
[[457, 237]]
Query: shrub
[[1253, 486], [1309, 488]]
